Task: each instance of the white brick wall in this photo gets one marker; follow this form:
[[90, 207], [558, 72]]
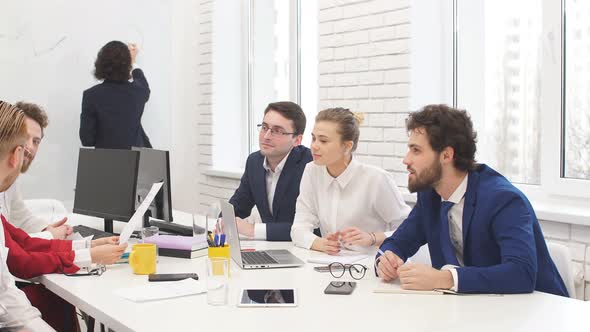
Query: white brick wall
[[363, 65]]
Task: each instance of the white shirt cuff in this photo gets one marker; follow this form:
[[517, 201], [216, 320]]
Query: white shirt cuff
[[388, 234], [453, 270], [83, 258], [260, 231], [81, 244], [308, 239], [42, 235]]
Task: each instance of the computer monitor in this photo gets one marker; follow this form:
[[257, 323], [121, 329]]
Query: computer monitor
[[106, 184], [154, 166]]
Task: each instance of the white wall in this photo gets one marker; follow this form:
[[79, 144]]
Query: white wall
[[47, 53]]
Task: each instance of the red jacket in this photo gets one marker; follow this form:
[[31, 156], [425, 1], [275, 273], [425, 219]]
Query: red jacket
[[31, 257]]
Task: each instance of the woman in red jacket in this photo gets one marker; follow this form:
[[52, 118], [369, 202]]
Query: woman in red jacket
[[31, 257]]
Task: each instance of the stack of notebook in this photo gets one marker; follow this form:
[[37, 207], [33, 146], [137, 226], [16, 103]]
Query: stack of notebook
[[179, 246]]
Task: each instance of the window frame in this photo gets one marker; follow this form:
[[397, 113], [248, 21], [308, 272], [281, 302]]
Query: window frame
[[294, 67], [553, 185]]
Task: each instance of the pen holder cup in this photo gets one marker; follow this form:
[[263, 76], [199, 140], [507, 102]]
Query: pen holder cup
[[219, 252]]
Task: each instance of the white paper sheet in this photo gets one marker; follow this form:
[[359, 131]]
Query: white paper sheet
[[344, 257], [154, 291], [136, 220], [394, 287], [78, 236]]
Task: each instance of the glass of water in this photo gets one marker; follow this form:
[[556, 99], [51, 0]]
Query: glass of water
[[149, 232], [217, 280]]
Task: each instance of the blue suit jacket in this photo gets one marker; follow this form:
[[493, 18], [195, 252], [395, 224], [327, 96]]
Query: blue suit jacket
[[111, 114], [252, 191], [503, 247]]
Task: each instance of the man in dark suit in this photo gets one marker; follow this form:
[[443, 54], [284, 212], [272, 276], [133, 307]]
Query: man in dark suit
[[481, 231], [272, 175]]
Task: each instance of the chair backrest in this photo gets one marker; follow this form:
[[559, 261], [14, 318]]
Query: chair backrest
[[563, 261], [47, 208]]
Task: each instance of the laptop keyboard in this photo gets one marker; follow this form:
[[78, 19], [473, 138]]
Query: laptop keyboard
[[87, 231], [257, 258]]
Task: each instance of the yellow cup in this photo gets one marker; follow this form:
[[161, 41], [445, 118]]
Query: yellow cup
[[143, 258], [219, 252]]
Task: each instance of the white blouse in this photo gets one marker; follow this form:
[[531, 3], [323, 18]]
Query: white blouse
[[363, 196]]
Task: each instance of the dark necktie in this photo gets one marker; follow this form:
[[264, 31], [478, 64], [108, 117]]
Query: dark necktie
[[445, 236]]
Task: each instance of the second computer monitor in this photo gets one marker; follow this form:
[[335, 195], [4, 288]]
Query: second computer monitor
[[106, 184], [154, 166]]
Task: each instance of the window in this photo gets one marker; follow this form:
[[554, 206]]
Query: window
[[283, 59], [498, 82], [262, 52], [273, 58], [522, 71], [576, 158]]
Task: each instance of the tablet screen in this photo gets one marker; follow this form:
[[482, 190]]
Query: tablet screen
[[268, 297]]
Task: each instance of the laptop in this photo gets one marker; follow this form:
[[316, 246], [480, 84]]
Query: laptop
[[260, 259]]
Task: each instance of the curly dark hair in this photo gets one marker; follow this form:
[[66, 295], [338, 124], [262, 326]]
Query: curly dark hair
[[34, 112], [447, 126], [113, 62]]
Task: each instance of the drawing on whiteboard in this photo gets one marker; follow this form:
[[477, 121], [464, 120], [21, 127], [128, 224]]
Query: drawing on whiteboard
[[49, 49]]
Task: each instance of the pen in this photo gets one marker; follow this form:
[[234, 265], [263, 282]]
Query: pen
[[222, 240], [210, 240], [216, 241]]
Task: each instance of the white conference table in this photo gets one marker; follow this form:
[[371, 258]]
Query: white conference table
[[362, 310]]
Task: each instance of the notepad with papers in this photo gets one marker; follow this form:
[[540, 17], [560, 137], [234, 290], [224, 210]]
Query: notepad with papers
[[395, 288], [162, 290], [179, 246]]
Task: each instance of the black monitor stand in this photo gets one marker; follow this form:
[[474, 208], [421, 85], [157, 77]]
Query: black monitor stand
[[108, 225]]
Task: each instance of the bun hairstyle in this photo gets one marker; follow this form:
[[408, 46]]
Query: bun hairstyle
[[347, 121], [360, 117]]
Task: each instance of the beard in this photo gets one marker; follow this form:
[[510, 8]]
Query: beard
[[27, 161], [26, 164], [427, 178], [9, 181]]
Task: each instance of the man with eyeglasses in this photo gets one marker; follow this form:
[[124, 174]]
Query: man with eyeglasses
[[12, 204], [272, 175]]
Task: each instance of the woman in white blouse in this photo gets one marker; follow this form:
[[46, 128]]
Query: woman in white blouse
[[352, 203]]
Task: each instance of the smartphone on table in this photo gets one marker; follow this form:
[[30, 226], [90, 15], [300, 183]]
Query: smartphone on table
[[340, 287], [172, 276]]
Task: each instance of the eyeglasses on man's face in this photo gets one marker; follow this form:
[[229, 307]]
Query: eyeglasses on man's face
[[357, 271], [274, 131]]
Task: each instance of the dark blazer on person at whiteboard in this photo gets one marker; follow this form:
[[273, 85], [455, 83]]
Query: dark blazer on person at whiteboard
[[112, 111]]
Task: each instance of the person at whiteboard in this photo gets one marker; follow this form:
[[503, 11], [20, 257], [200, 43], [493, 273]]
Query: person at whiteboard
[[112, 110]]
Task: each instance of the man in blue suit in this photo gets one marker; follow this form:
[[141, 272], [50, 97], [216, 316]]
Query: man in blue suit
[[272, 175], [481, 231]]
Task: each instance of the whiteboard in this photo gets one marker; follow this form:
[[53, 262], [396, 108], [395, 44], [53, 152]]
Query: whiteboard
[[47, 53]]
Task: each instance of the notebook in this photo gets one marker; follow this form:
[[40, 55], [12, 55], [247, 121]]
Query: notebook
[[179, 246]]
